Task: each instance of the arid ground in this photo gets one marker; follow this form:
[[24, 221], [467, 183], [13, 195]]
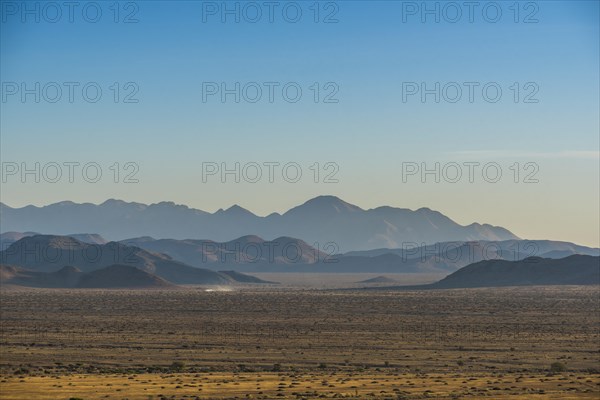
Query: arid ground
[[513, 343]]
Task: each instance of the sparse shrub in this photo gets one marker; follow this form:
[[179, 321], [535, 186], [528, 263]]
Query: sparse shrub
[[322, 366], [178, 365], [460, 363], [557, 367]]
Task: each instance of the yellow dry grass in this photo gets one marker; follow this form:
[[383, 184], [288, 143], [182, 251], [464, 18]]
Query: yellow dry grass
[[479, 343]]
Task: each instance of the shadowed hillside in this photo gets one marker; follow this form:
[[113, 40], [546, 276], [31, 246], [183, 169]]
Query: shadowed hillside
[[244, 250], [47, 253], [572, 270], [532, 271], [121, 276], [114, 276]]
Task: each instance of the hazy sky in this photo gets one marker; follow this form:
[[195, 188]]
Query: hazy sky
[[368, 62]]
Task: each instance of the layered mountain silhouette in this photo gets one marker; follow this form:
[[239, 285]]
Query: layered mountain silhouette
[[50, 253], [319, 221], [250, 249], [285, 254], [513, 250], [254, 254], [62, 261]]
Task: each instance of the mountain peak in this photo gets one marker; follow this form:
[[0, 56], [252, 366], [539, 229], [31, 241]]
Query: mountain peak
[[248, 239], [325, 204], [320, 219], [112, 202], [65, 203], [235, 210], [169, 204]]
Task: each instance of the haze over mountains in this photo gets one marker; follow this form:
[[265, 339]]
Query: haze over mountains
[[254, 254], [285, 254], [250, 249], [512, 250], [311, 238], [50, 253], [321, 220], [62, 261]]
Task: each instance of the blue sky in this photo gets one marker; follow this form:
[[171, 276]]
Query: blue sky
[[369, 133]]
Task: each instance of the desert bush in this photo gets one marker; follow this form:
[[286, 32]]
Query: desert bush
[[557, 367], [177, 365]]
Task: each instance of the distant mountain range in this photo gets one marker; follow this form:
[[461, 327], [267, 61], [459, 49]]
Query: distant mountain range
[[318, 222], [62, 261], [572, 270], [460, 252], [285, 254], [254, 254], [250, 249], [44, 256]]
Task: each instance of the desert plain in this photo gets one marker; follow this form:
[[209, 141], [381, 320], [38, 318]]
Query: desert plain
[[267, 343]]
